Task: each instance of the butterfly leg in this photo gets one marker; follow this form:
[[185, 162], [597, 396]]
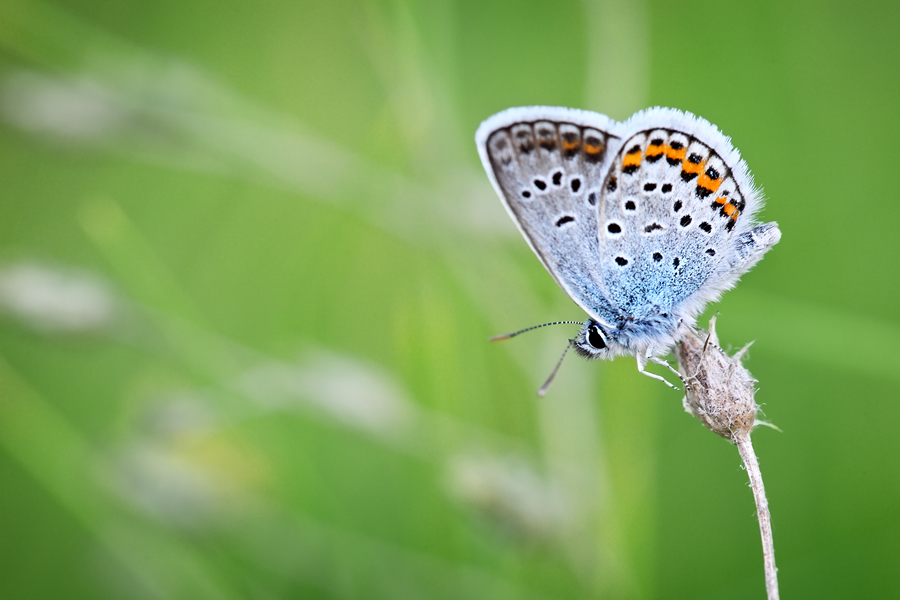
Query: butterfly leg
[[665, 363], [642, 364]]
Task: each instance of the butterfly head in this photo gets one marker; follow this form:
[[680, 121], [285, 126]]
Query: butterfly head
[[595, 341]]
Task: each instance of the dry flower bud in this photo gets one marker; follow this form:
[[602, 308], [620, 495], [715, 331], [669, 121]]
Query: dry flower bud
[[718, 389]]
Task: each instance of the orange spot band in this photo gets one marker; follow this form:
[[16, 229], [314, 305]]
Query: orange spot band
[[690, 167], [632, 160], [675, 154], [710, 184]]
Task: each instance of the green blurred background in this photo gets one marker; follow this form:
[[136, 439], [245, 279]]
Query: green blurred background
[[249, 262]]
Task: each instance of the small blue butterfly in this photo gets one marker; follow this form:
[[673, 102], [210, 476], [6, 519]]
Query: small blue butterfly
[[641, 223]]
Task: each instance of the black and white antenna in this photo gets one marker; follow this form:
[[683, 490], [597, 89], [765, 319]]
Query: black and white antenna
[[547, 383], [506, 336]]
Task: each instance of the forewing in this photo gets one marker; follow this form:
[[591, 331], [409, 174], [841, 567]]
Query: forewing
[[548, 164]]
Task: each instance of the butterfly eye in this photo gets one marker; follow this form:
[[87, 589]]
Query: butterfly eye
[[595, 338]]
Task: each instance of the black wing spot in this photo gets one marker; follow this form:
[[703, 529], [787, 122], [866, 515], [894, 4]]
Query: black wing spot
[[592, 198], [729, 225], [540, 184], [621, 261], [563, 220], [677, 205], [666, 188], [630, 169], [526, 194], [612, 185], [630, 205], [576, 185], [695, 158], [614, 228], [634, 149], [676, 145], [685, 220], [676, 262], [703, 192], [686, 176], [652, 227], [649, 187], [656, 142], [711, 251], [712, 173], [705, 226], [657, 256], [557, 178]]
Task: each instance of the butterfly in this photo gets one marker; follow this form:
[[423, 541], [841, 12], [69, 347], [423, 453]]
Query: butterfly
[[641, 223]]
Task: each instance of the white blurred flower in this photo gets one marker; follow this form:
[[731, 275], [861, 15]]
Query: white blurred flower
[[183, 468], [161, 482], [509, 490], [348, 390], [67, 109], [179, 414], [54, 300]]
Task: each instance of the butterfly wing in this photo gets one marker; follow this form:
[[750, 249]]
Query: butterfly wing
[[548, 165], [676, 219]]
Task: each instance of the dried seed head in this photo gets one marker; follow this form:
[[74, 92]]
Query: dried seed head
[[718, 389]]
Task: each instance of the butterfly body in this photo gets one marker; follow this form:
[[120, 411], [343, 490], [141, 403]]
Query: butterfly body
[[641, 223]]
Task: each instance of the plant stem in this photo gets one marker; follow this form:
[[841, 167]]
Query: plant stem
[[745, 447]]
